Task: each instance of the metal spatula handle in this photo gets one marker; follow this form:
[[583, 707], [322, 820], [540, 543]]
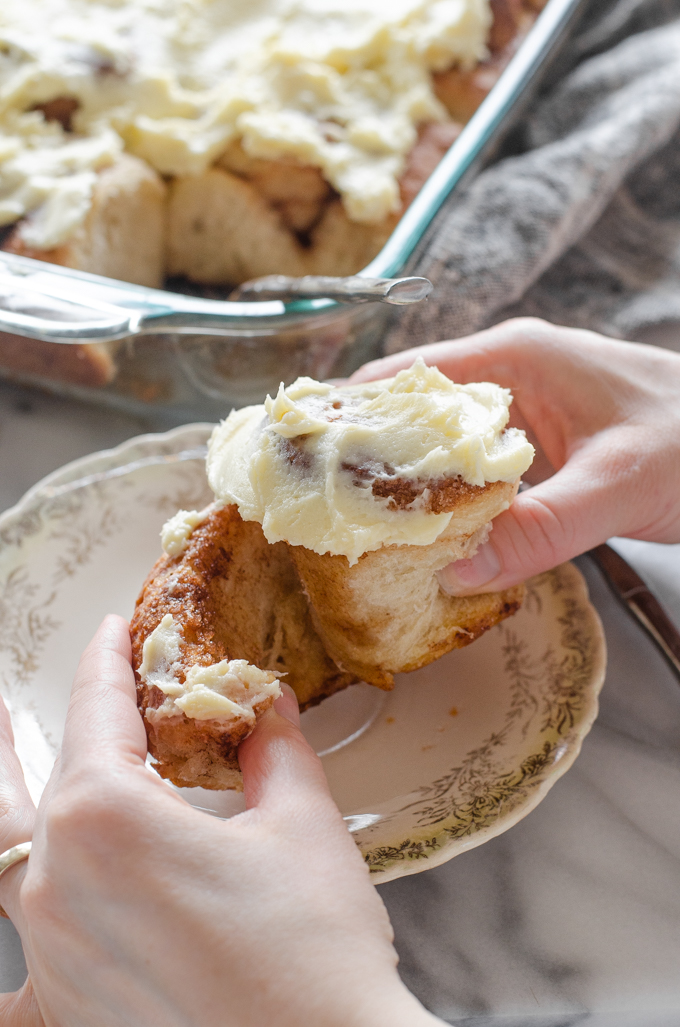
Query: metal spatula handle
[[43, 301], [354, 289]]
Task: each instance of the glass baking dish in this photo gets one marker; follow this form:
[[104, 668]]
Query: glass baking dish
[[176, 357]]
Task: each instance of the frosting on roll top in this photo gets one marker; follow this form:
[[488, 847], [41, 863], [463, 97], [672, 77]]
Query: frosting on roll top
[[347, 470], [341, 85]]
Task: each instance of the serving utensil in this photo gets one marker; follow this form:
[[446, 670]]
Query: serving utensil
[[354, 289], [633, 593], [44, 301]]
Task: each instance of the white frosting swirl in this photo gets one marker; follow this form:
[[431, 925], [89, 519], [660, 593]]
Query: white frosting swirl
[[304, 464], [337, 84]]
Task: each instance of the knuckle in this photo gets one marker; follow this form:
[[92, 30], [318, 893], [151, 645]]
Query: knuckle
[[532, 332], [546, 534], [527, 326], [38, 896], [86, 813], [531, 539]]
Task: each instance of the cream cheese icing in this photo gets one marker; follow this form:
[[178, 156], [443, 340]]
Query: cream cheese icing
[[227, 690], [337, 84], [177, 531], [303, 464]]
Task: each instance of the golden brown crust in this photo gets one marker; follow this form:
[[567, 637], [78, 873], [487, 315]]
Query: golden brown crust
[[89, 364], [462, 90], [439, 495], [234, 597], [409, 623], [434, 139], [221, 230], [297, 192], [195, 753], [122, 235]]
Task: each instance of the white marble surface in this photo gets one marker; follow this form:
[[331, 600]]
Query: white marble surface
[[573, 917], [577, 909]]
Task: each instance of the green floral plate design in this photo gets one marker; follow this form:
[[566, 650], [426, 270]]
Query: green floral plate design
[[457, 753]]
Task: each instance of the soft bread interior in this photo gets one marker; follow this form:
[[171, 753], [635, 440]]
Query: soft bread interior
[[122, 235], [387, 613]]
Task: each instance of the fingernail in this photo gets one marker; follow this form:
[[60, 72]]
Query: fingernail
[[466, 576]]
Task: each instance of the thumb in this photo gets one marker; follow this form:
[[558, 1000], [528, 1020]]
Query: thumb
[[276, 759], [545, 526], [103, 723]]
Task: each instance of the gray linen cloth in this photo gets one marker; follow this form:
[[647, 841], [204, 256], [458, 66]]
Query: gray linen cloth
[[583, 229]]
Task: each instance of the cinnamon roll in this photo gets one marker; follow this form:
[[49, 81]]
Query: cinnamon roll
[[335, 508]]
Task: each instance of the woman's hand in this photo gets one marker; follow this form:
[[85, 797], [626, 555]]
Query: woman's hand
[[605, 419], [136, 908]]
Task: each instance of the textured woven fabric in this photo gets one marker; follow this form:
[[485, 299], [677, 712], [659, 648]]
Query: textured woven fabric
[[583, 228]]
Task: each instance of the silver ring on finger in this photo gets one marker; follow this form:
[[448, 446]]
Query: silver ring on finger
[[9, 858]]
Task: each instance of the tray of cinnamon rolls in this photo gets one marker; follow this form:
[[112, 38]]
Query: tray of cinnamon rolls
[[153, 161]]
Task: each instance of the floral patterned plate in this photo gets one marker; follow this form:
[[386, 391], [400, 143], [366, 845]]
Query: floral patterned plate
[[457, 753]]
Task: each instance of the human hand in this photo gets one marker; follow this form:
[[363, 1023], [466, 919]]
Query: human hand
[[137, 909], [605, 419]]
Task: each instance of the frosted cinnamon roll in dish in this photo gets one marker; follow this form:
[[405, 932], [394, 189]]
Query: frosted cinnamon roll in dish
[[335, 508], [283, 137]]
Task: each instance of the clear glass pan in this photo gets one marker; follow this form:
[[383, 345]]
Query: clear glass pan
[[180, 358]]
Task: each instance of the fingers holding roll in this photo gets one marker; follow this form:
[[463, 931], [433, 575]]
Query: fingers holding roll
[[103, 723], [547, 525], [494, 354], [278, 763]]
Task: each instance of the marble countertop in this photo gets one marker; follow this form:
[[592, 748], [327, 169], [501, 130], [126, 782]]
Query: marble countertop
[[573, 916]]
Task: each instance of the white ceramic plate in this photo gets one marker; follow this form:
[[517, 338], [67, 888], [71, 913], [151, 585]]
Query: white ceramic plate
[[458, 752]]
